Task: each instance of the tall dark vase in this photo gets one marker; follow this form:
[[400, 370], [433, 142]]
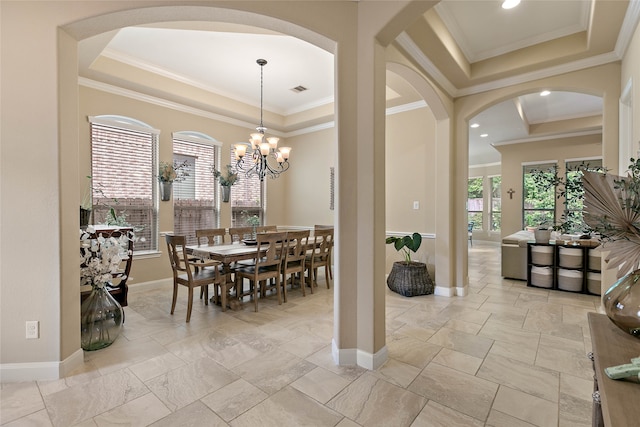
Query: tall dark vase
[[85, 217], [226, 193], [622, 303], [100, 320], [165, 190]]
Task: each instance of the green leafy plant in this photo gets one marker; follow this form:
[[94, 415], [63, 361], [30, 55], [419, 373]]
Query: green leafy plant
[[226, 180], [406, 244]]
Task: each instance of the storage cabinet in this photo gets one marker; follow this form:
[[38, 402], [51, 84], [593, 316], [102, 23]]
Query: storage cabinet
[[564, 267]]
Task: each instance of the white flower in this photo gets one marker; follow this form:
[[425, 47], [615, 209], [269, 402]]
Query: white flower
[[100, 257]]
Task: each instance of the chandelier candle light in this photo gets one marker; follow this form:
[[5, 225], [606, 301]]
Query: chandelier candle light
[[264, 151]]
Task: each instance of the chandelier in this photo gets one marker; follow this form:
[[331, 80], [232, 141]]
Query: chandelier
[[264, 157]]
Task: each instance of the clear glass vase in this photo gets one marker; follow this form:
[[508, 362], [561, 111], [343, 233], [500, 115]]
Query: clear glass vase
[[100, 320], [622, 303]]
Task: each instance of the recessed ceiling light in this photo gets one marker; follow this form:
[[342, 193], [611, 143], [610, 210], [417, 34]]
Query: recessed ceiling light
[[510, 4], [484, 135], [475, 125], [544, 93]]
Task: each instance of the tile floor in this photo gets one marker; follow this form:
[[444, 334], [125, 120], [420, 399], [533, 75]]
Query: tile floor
[[505, 355]]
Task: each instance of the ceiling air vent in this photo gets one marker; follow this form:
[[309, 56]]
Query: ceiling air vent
[[299, 89]]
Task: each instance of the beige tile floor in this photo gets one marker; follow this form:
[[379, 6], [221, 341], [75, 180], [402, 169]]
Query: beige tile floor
[[505, 355]]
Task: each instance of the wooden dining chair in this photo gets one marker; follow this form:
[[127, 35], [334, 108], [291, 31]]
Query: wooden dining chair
[[293, 262], [327, 227], [319, 255], [211, 236], [192, 274], [266, 271], [240, 233]]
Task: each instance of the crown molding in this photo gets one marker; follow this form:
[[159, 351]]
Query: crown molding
[[631, 19], [406, 107], [547, 137]]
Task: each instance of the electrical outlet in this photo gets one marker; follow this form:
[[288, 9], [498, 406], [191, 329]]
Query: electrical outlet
[[416, 204], [33, 329]]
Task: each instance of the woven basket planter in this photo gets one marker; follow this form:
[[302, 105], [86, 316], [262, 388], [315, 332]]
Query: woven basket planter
[[410, 280]]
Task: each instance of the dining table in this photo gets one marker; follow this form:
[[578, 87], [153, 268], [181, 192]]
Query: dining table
[[227, 254]]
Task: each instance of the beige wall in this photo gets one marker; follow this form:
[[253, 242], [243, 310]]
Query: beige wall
[[410, 176], [308, 180], [630, 72], [513, 157]]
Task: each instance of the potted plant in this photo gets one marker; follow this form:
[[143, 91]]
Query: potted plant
[[168, 173], [226, 180], [409, 278], [612, 211]]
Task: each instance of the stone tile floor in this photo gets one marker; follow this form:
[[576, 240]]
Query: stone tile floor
[[504, 355]]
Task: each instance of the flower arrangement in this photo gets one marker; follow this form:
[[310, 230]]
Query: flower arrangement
[[100, 256], [170, 172], [226, 180]]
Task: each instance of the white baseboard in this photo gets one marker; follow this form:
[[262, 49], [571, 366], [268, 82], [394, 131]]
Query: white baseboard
[[153, 284], [38, 371], [444, 291], [352, 356], [341, 357], [462, 290], [373, 361]]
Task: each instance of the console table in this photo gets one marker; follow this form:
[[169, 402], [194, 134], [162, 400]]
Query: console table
[[619, 400]]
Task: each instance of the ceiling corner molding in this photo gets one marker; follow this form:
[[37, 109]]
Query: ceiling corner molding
[[631, 19], [310, 129], [547, 137], [569, 67], [406, 107], [405, 41], [115, 90]]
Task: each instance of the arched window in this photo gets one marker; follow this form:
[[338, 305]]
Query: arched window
[[195, 199], [123, 169]]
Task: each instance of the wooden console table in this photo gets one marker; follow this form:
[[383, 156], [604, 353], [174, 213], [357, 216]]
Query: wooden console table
[[619, 399]]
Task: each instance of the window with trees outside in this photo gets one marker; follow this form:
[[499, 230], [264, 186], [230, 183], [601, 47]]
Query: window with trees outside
[[495, 203], [538, 203], [123, 171], [247, 197], [195, 198], [475, 202], [574, 192]]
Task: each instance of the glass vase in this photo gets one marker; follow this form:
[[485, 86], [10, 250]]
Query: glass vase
[[622, 303], [100, 320]]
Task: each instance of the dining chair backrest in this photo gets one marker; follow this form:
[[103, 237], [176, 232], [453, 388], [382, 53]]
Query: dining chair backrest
[[267, 228], [239, 233], [297, 242], [270, 249], [211, 236], [323, 238], [176, 247]]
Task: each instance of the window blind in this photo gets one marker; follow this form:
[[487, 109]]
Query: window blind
[[247, 197], [123, 163], [195, 198]]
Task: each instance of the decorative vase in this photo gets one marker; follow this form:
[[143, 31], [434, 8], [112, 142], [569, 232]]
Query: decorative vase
[[85, 217], [410, 279], [622, 303], [226, 193], [165, 190], [100, 320], [542, 236]]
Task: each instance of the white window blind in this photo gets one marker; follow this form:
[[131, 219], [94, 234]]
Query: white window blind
[[195, 198], [123, 165], [247, 197]]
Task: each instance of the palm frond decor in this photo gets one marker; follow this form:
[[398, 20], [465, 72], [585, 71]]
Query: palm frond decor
[[612, 209]]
